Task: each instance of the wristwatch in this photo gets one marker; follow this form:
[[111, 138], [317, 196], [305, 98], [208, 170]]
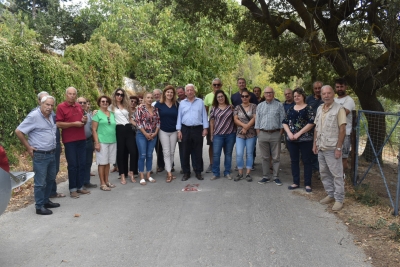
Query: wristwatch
[[338, 148]]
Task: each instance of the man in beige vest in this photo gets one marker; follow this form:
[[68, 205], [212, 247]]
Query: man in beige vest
[[329, 134]]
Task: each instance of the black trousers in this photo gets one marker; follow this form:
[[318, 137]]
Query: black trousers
[[192, 142], [126, 146], [160, 154]]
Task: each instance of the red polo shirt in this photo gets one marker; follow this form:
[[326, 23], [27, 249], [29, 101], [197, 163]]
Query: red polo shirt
[[70, 113]]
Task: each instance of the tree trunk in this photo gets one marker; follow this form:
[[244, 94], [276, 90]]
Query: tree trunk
[[376, 122]]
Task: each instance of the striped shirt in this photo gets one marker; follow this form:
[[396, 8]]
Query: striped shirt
[[269, 116], [223, 120]]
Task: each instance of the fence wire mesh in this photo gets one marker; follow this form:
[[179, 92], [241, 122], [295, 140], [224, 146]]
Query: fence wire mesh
[[376, 154]]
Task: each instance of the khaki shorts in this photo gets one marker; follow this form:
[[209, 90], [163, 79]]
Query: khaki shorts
[[107, 154], [346, 148]]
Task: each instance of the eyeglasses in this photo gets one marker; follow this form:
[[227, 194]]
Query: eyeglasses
[[133, 101], [104, 101], [268, 93], [217, 84], [245, 96], [82, 103], [108, 119], [220, 96], [118, 94]]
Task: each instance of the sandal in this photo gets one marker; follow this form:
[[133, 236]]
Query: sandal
[[143, 182], [169, 178], [132, 176], [151, 180], [110, 185], [123, 182], [58, 195], [104, 187]]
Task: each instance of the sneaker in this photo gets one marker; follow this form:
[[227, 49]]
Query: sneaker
[[248, 178], [277, 181], [236, 168], [228, 176], [209, 169], [74, 194], [253, 168], [344, 176], [327, 200], [264, 180], [337, 206], [214, 178], [238, 177], [83, 191]]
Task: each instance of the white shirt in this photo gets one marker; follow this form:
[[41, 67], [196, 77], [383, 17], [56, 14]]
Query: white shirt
[[121, 115], [348, 103]]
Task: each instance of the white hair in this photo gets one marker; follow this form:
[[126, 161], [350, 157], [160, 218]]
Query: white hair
[[216, 80], [66, 90], [159, 90], [39, 96], [47, 97], [327, 87], [190, 84]]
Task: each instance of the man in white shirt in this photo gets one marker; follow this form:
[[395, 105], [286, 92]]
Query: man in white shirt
[[348, 104]]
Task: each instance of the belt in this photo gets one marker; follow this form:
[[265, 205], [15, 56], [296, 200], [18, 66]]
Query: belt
[[87, 139], [194, 126], [270, 131], [44, 152], [124, 124]]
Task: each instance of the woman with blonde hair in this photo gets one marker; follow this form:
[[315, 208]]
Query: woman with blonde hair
[[148, 124], [125, 137], [168, 110]]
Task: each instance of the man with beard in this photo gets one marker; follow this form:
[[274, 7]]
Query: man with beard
[[348, 104]]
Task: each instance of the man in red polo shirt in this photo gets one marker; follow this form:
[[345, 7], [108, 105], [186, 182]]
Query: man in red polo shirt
[[71, 118]]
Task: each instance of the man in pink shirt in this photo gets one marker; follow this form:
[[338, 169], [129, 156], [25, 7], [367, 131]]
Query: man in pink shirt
[[71, 118]]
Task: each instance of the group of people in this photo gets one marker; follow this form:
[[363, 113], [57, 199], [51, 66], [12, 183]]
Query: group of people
[[127, 129]]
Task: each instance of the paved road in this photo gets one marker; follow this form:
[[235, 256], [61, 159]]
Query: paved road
[[225, 224]]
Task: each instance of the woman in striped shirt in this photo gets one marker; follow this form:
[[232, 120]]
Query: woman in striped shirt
[[223, 133]]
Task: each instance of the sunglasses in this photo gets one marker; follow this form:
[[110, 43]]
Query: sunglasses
[[82, 103], [245, 96], [108, 119], [118, 94], [217, 84]]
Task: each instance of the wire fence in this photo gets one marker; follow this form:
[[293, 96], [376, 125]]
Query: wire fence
[[376, 157]]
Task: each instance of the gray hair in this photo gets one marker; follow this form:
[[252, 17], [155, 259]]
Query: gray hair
[[159, 90], [190, 84], [216, 80], [273, 91], [318, 82], [39, 96], [66, 90], [47, 97], [327, 87]]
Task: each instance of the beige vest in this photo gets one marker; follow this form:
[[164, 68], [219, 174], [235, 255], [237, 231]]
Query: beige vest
[[328, 132]]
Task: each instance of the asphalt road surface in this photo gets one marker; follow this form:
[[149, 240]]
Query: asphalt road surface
[[225, 223]]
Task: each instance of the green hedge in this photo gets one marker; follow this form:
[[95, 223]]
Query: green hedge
[[93, 68]]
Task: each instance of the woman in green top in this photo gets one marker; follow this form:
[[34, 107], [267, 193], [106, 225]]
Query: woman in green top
[[105, 141]]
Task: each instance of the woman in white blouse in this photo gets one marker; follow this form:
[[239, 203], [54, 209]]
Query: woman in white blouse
[[125, 136]]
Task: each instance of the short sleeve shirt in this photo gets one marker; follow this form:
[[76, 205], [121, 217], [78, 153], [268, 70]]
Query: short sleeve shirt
[[297, 120], [223, 120], [236, 99], [242, 117], [70, 113], [168, 116], [348, 103], [106, 129]]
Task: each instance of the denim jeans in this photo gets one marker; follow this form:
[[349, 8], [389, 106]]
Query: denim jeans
[[89, 160], [225, 141], [145, 148], [44, 166], [58, 154], [241, 144], [305, 149], [75, 153]]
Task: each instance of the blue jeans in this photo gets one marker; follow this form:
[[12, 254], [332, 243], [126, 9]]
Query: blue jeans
[[58, 154], [305, 149], [145, 148], [225, 141], [89, 160], [75, 153], [241, 144], [44, 166]]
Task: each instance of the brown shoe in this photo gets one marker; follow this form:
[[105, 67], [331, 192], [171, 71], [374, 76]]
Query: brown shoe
[[83, 191], [337, 206], [327, 200], [74, 194]]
